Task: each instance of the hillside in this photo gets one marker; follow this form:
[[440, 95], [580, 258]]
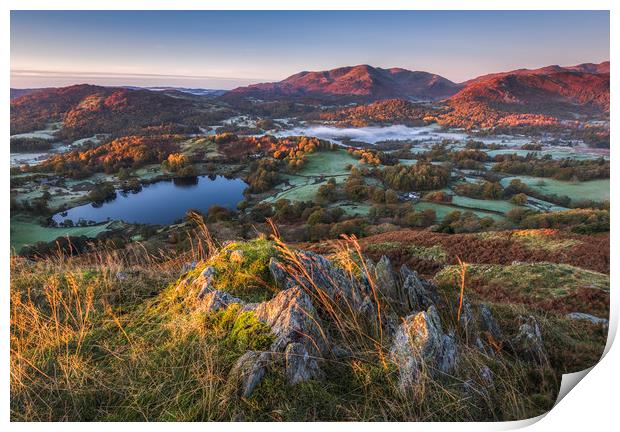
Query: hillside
[[531, 97], [384, 112], [355, 83], [15, 92], [593, 68], [85, 110], [257, 330]]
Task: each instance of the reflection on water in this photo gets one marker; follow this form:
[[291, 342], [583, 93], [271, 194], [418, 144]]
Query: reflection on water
[[162, 202]]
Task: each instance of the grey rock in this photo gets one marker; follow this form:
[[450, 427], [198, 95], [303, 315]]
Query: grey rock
[[587, 317], [216, 300], [419, 342], [281, 276], [468, 322], [528, 342], [341, 351], [208, 273], [489, 323], [486, 375], [483, 348], [385, 281], [448, 355], [248, 371], [296, 326], [298, 340], [299, 365], [189, 266], [417, 294], [317, 276], [205, 281]]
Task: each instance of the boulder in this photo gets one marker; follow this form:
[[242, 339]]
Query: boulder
[[216, 300], [468, 322], [205, 280], [299, 365], [419, 343], [488, 323], [418, 294], [528, 342], [248, 371], [318, 276], [296, 326], [385, 281], [298, 344], [448, 355], [587, 317]]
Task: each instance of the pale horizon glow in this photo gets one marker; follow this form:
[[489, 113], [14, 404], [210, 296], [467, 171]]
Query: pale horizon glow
[[223, 49]]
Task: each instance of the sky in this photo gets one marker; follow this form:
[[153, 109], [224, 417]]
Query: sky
[[227, 49]]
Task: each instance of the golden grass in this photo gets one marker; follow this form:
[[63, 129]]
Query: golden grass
[[87, 344]]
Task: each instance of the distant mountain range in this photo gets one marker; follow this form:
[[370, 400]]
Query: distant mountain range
[[519, 97], [15, 92], [192, 91], [584, 84]]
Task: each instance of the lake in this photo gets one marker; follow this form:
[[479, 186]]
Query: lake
[[162, 202]]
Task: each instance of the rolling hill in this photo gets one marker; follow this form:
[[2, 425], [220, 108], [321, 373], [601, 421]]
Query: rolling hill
[[531, 97], [85, 110], [352, 83]]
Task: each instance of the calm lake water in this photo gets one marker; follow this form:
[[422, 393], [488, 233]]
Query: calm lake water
[[163, 202]]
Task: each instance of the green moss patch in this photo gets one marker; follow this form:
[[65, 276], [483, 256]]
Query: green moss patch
[[242, 269]]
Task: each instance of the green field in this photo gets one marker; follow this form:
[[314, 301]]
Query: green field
[[297, 189], [328, 164], [441, 210], [555, 154], [353, 209], [597, 190], [319, 167], [148, 172], [25, 230], [493, 205], [549, 207]]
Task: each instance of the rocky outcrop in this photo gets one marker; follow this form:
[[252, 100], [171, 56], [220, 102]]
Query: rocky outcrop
[[296, 327], [418, 294], [528, 342], [248, 371], [216, 300], [468, 322], [489, 324], [420, 344], [319, 277], [580, 316], [205, 280], [299, 344], [385, 281]]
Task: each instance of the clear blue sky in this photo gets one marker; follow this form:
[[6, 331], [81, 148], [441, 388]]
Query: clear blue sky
[[226, 49]]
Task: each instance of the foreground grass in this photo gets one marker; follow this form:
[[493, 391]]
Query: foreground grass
[[115, 339]]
